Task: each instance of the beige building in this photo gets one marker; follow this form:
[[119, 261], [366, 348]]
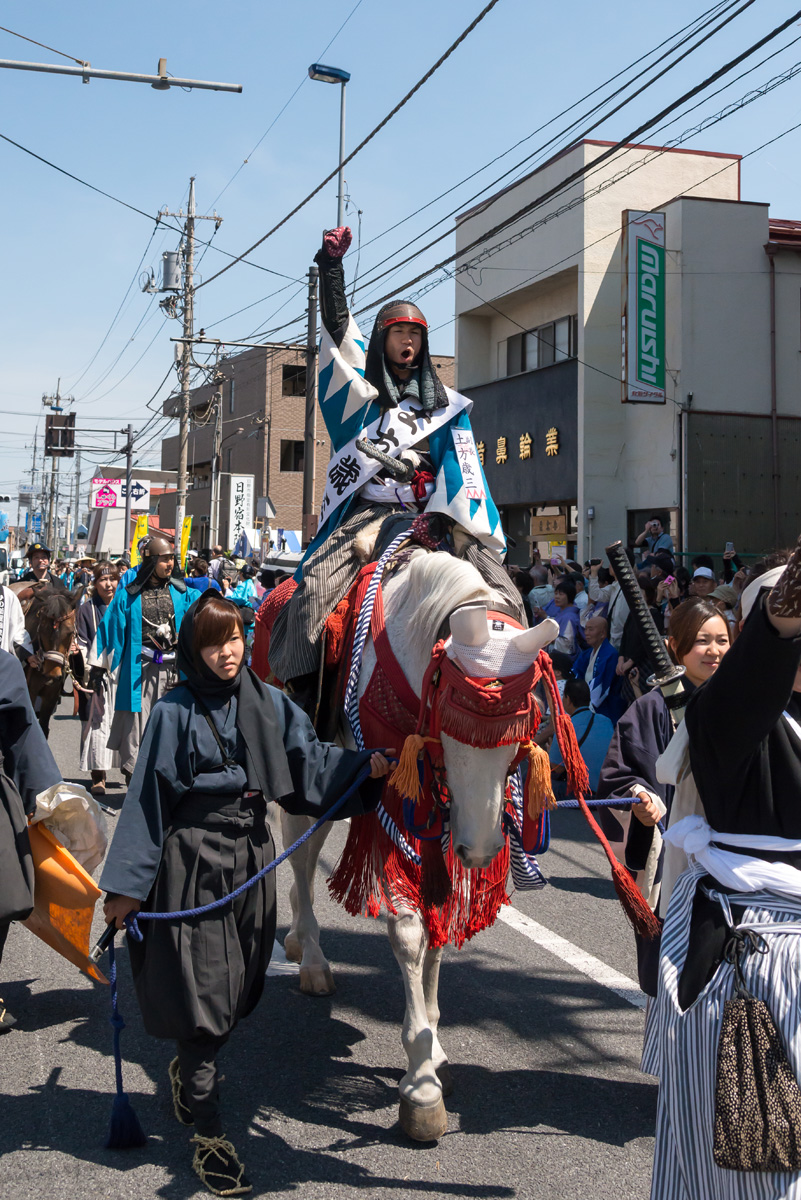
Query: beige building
[[263, 404], [539, 348]]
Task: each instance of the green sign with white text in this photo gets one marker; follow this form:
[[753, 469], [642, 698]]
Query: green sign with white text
[[644, 308]]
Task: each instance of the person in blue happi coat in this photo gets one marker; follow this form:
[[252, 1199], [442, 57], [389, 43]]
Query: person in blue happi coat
[[597, 666], [137, 639]]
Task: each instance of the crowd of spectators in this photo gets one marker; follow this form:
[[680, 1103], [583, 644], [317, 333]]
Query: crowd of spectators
[[599, 645]]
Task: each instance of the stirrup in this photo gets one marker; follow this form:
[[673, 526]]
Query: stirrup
[[226, 1179], [182, 1111]]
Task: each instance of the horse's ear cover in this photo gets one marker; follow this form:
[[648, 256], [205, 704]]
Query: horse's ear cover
[[531, 641], [469, 625]]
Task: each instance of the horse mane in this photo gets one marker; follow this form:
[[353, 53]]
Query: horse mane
[[55, 601], [436, 584]]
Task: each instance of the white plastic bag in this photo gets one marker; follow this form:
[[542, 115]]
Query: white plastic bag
[[76, 819]]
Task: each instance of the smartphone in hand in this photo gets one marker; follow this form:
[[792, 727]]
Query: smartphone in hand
[[729, 548]]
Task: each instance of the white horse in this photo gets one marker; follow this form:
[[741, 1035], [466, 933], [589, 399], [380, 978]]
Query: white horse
[[417, 600]]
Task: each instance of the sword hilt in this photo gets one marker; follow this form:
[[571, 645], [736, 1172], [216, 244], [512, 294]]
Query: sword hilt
[[667, 675], [401, 472]]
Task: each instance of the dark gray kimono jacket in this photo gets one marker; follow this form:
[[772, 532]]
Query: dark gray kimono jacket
[[189, 833], [27, 762]]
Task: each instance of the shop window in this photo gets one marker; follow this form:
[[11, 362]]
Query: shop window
[[293, 381], [291, 455]]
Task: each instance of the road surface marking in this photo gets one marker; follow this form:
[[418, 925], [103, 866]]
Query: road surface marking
[[580, 960]]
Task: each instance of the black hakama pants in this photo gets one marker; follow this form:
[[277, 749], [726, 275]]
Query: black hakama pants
[[196, 978]]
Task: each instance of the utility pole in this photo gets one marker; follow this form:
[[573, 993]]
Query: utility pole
[[310, 429], [186, 363], [128, 484], [186, 351], [77, 509], [216, 450]]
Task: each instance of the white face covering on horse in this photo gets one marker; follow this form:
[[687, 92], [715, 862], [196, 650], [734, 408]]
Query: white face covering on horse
[[494, 648]]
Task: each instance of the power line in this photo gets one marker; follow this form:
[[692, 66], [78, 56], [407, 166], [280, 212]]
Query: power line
[[80, 61], [281, 111], [541, 151], [581, 171], [694, 26], [119, 310], [139, 211], [698, 22], [69, 174], [488, 8]]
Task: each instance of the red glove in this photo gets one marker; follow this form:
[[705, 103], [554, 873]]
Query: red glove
[[337, 241]]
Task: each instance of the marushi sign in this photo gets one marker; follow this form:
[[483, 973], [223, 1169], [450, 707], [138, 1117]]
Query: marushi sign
[[643, 307]]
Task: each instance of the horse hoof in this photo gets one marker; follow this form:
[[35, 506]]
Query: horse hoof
[[423, 1123], [292, 948], [315, 981], [445, 1078]]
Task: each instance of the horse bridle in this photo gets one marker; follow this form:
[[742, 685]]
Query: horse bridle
[[55, 656]]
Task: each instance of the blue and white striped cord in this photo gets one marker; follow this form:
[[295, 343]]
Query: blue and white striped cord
[[351, 700], [526, 873]]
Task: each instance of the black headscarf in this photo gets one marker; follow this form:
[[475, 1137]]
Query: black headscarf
[[146, 569], [378, 370], [266, 764]]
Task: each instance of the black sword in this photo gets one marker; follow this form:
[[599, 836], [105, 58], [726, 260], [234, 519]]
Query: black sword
[[667, 677]]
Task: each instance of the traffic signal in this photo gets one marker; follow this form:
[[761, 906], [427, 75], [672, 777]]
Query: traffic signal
[[60, 435]]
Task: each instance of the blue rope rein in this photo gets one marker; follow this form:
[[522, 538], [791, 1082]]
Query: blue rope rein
[[131, 921]]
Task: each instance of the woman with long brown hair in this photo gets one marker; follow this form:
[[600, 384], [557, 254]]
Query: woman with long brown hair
[[699, 637], [193, 828]]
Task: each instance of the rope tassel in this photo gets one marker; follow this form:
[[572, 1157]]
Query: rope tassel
[[406, 778], [538, 791]]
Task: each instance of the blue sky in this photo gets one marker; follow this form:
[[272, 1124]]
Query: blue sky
[[70, 254]]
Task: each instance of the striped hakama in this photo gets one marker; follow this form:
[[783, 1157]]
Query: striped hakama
[[681, 1047]]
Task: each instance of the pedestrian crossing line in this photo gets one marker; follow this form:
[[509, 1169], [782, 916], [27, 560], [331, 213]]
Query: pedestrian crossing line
[[587, 964]]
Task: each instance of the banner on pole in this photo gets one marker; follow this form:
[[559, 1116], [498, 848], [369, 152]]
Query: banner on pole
[[140, 531], [643, 303], [240, 514], [185, 533]]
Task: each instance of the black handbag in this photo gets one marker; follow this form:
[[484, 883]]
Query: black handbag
[[16, 862], [757, 1097]]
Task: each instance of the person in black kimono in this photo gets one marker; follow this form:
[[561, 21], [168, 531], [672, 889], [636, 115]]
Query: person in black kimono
[[699, 638], [27, 767], [193, 827], [743, 735]]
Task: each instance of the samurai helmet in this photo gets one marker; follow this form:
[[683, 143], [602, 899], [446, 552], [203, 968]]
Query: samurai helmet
[[154, 545], [399, 311]]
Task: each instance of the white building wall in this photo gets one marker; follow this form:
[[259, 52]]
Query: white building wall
[[626, 451]]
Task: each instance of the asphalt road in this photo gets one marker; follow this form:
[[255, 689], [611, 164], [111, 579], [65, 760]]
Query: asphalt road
[[548, 1100]]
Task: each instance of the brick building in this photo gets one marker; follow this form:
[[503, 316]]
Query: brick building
[[263, 401]]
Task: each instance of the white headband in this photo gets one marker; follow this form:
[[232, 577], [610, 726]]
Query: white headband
[[750, 593]]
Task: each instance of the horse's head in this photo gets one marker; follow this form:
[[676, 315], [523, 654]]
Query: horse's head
[[52, 621], [477, 689]]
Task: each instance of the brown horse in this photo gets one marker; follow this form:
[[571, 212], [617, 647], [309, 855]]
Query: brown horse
[[50, 612]]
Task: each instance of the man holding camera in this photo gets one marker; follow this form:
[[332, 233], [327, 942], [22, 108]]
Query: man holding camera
[[654, 538]]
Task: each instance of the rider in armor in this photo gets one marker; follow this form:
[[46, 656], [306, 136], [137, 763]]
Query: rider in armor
[[398, 366]]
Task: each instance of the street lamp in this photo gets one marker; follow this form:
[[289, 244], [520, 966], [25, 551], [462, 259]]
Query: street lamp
[[326, 74]]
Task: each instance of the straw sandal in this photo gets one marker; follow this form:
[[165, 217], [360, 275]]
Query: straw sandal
[[7, 1022], [218, 1168], [181, 1109]]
